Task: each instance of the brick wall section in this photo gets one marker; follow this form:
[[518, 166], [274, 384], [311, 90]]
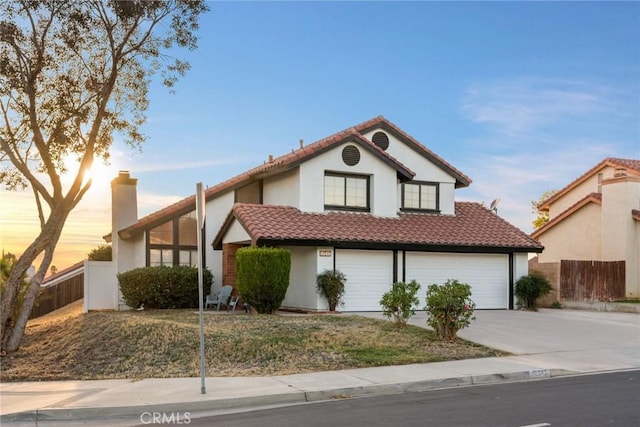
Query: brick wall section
[[550, 270], [229, 264]]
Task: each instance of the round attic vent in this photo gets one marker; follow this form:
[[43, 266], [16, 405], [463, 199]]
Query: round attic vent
[[350, 155], [381, 140]]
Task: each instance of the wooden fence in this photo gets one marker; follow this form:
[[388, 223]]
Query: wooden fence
[[56, 296], [592, 280]]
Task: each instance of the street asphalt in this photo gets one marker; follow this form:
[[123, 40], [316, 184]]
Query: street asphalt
[[543, 344]]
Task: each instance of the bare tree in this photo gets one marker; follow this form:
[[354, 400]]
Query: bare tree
[[74, 74]]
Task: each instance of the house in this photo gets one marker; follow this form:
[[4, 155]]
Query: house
[[597, 218], [370, 201]]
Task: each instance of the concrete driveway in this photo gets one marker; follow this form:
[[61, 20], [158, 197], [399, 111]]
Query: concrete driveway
[[568, 339]]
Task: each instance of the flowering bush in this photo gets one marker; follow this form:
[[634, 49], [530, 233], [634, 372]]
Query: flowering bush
[[449, 308], [400, 302]]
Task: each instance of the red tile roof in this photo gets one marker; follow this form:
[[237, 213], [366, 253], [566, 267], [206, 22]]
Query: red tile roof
[[631, 165], [635, 214], [294, 159], [472, 228], [589, 198]]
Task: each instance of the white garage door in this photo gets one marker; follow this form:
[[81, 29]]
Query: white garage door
[[369, 275], [488, 275]]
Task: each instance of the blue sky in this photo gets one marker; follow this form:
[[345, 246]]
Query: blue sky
[[522, 97]]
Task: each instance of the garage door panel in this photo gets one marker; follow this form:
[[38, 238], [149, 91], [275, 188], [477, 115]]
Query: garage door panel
[[487, 274], [369, 275]]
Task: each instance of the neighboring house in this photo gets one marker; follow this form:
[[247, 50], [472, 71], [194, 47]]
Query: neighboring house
[[597, 217], [370, 201], [60, 289]]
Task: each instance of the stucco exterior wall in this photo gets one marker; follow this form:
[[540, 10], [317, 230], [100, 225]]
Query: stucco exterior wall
[[620, 230], [578, 237], [302, 287], [383, 184], [590, 185], [100, 286], [236, 234], [520, 265], [283, 189], [216, 211], [424, 170]]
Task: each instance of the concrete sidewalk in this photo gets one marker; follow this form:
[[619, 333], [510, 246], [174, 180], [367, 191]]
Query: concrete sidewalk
[[545, 344]]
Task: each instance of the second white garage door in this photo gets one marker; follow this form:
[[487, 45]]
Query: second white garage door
[[488, 275], [369, 275]]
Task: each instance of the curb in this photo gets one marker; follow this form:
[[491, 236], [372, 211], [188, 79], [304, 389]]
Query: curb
[[610, 307], [292, 398]]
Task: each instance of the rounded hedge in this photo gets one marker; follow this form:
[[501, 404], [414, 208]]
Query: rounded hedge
[[162, 286], [262, 276]]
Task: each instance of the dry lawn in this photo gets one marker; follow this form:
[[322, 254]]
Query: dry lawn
[[165, 343]]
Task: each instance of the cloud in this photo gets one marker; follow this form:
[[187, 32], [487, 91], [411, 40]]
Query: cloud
[[159, 167], [522, 105], [533, 134]]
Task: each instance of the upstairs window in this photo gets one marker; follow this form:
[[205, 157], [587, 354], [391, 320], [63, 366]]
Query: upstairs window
[[174, 243], [346, 192], [422, 196]]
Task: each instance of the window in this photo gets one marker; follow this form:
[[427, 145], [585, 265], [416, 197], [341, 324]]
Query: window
[[421, 196], [160, 257], [600, 182], [162, 235], [349, 192], [189, 258], [175, 242]]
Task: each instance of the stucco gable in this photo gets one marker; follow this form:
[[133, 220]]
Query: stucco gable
[[630, 166], [591, 198], [380, 123]]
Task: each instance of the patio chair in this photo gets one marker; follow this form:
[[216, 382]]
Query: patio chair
[[222, 298], [232, 303]]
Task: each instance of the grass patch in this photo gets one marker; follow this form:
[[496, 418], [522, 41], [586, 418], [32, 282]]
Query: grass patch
[[165, 343], [630, 300]]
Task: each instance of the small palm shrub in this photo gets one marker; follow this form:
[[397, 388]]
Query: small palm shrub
[[162, 286], [530, 288], [400, 302], [330, 284], [449, 308], [262, 276]]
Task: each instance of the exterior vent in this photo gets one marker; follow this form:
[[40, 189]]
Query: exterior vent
[[381, 140], [620, 172], [351, 155]]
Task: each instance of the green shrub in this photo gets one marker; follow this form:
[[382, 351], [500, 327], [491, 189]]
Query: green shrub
[[449, 308], [330, 284], [262, 276], [530, 288], [101, 253], [400, 302], [556, 305], [162, 286], [7, 263]]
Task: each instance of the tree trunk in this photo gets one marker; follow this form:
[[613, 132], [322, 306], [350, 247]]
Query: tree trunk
[[14, 319]]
